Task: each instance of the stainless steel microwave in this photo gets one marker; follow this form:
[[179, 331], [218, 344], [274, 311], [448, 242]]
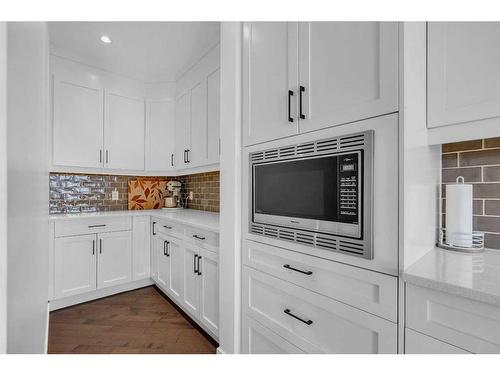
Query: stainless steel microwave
[[316, 193]]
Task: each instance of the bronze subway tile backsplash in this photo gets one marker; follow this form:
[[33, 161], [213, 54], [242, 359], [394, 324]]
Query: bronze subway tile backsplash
[[479, 163], [73, 193]]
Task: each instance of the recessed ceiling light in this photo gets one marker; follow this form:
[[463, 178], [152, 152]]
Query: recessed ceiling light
[[105, 39]]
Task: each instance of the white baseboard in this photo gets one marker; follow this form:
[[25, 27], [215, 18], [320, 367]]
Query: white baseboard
[[85, 297]]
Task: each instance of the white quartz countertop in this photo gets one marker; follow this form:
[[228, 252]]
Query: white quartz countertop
[[201, 219], [474, 276]]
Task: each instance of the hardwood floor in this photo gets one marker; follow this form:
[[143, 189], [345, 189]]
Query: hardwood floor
[[136, 322]]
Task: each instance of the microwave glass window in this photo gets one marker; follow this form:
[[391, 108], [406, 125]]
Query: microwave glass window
[[299, 188]]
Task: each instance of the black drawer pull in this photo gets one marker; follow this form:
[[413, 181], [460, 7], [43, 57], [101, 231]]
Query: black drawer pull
[[154, 227], [308, 322], [97, 226], [297, 270], [198, 237], [166, 226], [290, 94]]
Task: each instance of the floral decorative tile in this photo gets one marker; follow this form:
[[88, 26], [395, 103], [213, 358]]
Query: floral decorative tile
[[145, 194]]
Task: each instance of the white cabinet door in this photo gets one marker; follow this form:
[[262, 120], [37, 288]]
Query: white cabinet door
[[269, 73], [191, 299], [114, 261], [141, 254], [77, 124], [463, 72], [208, 273], [257, 339], [182, 129], [74, 265], [160, 120], [213, 117], [155, 245], [176, 255], [418, 343], [124, 132], [348, 71], [198, 152], [163, 259]]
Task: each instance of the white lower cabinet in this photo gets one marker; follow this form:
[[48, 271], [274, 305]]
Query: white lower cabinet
[[312, 322], [176, 256], [418, 343], [257, 339], [464, 323], [191, 299], [88, 262], [187, 271], [74, 265], [114, 261], [141, 257]]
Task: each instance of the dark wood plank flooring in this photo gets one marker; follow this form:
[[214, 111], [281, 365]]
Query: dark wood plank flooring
[[135, 322]]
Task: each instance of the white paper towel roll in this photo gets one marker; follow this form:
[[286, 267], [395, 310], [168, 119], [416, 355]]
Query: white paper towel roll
[[459, 214]]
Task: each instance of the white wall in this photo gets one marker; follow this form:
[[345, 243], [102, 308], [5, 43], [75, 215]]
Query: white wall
[[421, 163], [3, 187], [27, 186], [230, 188]]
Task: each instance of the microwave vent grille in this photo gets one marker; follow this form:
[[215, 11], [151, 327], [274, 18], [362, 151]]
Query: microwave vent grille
[[320, 241], [352, 141], [322, 147]]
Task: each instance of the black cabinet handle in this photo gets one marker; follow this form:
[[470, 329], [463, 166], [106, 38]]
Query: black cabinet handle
[[154, 226], [97, 226], [107, 156], [100, 245], [297, 270], [165, 248], [194, 263], [290, 94], [172, 160], [198, 237], [308, 322], [100, 156], [187, 155], [167, 227], [199, 272], [301, 89], [93, 247]]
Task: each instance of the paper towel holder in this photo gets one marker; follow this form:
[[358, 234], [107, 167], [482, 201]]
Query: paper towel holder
[[477, 237]]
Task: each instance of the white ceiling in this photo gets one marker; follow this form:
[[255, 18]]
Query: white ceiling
[[148, 51]]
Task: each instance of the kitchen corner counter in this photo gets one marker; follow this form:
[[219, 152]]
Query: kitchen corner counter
[[473, 276], [202, 219]]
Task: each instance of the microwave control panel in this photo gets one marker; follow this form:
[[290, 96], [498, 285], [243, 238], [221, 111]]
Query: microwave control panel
[[349, 188]]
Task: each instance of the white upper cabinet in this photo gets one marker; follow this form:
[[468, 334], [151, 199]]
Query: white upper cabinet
[[124, 132], [348, 71], [299, 77], [463, 73], [77, 122], [182, 130], [198, 150], [160, 125], [270, 68], [213, 117]]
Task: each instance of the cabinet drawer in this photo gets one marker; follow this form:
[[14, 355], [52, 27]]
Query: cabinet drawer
[[203, 238], [257, 339], [468, 324], [417, 343], [366, 290], [312, 322], [168, 228], [92, 225]]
